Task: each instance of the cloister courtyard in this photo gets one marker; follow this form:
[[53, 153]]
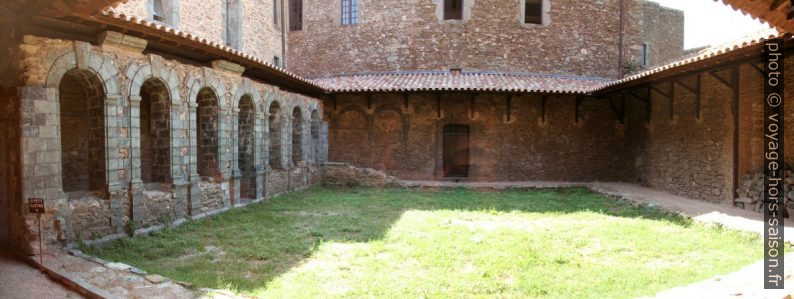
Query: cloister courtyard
[[389, 243]]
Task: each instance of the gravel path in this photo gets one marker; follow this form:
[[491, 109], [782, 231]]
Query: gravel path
[[20, 280]]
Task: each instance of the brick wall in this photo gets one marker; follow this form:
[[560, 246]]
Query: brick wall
[[260, 36], [408, 142], [582, 38]]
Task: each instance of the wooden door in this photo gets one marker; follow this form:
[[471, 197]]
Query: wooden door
[[456, 151]]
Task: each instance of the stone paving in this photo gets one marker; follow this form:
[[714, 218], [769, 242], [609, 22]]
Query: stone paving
[[20, 280], [97, 278]]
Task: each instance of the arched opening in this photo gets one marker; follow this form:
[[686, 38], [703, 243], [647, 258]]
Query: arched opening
[[315, 133], [274, 135], [245, 147], [387, 137], [82, 106], [297, 136], [207, 131], [350, 126], [155, 134]]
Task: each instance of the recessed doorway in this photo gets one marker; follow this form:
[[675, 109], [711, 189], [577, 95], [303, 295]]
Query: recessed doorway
[[456, 151]]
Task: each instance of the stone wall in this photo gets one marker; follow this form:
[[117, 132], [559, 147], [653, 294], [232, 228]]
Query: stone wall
[[260, 35], [512, 143], [692, 156], [581, 38], [663, 33], [145, 167]]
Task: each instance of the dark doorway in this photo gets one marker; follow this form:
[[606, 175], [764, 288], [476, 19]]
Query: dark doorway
[[456, 151]]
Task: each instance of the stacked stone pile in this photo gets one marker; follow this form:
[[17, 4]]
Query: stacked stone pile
[[345, 175], [751, 191], [211, 196]]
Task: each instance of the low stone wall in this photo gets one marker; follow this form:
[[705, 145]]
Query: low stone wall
[[277, 182], [345, 175], [160, 207], [89, 218], [213, 196]]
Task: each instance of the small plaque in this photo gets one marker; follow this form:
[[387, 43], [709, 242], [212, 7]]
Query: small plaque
[[36, 205]]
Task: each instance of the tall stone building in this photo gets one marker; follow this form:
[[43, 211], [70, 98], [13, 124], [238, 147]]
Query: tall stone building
[[124, 116]]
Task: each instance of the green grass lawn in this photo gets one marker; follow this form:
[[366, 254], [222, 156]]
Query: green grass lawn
[[455, 243]]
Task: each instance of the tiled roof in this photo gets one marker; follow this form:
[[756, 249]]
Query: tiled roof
[[774, 12], [442, 80], [464, 81], [228, 53]]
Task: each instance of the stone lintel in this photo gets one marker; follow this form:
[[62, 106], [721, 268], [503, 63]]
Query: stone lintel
[[119, 40], [226, 66]]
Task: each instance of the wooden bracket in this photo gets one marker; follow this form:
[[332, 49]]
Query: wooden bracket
[[758, 68], [333, 102], [620, 112], [696, 90], [509, 110], [645, 98], [472, 97], [438, 105], [543, 100], [405, 100], [369, 101], [579, 100], [722, 80], [776, 4]]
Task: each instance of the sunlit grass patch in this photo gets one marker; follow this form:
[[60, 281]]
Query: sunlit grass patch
[[455, 243]]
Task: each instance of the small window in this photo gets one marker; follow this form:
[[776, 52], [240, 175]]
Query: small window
[[453, 9], [275, 12], [158, 11], [645, 60], [533, 12], [277, 61], [295, 15], [233, 23], [349, 12]]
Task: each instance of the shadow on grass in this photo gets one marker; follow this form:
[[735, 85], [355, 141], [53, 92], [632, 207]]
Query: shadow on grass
[[245, 249]]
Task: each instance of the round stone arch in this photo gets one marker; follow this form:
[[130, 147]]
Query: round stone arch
[[239, 91], [246, 87], [139, 75], [297, 134], [194, 86], [101, 66], [275, 134]]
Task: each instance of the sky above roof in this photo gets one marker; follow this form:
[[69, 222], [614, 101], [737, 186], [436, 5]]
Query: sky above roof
[[710, 22]]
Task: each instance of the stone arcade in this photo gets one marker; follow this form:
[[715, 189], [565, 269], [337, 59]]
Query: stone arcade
[[126, 116]]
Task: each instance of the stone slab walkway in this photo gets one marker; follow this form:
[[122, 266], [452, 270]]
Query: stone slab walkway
[[96, 278], [706, 212]]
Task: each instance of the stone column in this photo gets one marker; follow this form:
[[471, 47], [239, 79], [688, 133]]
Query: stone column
[[193, 203], [234, 183], [39, 143], [180, 157], [135, 183], [225, 155], [323, 142], [259, 162]]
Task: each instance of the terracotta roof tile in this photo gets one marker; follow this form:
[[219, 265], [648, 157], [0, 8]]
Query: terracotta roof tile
[[465, 81]]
